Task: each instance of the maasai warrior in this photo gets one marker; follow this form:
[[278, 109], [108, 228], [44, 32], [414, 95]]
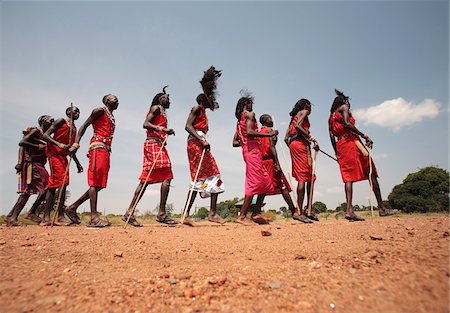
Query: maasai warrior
[[353, 157], [157, 131], [272, 165], [103, 123], [64, 132], [209, 182], [257, 181], [34, 176], [299, 139]]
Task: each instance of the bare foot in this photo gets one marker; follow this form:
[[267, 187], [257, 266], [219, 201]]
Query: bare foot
[[61, 221], [244, 221], [12, 223], [33, 217], [45, 223], [188, 222], [216, 219]]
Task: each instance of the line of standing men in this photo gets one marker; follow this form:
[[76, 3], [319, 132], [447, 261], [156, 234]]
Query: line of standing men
[[57, 141]]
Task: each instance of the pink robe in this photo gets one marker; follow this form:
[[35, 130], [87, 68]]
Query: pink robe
[[257, 180]]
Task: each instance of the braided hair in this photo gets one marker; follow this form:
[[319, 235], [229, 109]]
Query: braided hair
[[338, 100], [300, 105], [246, 96]]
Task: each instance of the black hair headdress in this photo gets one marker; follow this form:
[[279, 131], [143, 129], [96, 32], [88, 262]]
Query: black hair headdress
[[209, 85], [158, 95]]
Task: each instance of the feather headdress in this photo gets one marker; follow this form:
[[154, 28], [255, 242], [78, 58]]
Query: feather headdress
[[209, 85]]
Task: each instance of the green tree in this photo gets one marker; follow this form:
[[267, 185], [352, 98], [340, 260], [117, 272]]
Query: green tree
[[227, 207], [424, 191], [319, 207], [341, 207], [202, 213]]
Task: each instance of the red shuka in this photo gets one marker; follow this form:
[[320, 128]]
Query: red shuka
[[99, 157], [300, 152], [353, 164], [57, 157], [162, 170], [268, 161]]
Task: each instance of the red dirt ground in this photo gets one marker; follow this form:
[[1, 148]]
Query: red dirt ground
[[398, 264]]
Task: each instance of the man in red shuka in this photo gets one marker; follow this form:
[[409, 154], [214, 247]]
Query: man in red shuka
[[103, 123], [156, 156], [64, 132], [272, 165], [352, 156]]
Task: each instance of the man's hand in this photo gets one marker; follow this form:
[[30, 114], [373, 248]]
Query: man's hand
[[80, 168], [41, 146], [369, 142], [169, 131], [63, 146], [315, 145], [273, 133], [18, 168], [277, 167], [205, 144], [74, 148]]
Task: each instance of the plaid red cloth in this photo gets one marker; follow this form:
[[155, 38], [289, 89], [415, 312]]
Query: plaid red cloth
[[209, 167], [151, 148]]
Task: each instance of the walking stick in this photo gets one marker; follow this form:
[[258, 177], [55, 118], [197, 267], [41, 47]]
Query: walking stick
[[289, 174], [145, 183], [193, 186], [311, 191], [328, 155], [370, 181], [67, 167]]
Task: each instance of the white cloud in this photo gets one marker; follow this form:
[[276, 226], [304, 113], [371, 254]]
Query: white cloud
[[335, 189], [398, 113], [380, 156]]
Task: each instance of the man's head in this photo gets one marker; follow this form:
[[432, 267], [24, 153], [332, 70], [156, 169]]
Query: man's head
[[111, 101], [162, 99], [266, 120], [45, 121], [73, 112]]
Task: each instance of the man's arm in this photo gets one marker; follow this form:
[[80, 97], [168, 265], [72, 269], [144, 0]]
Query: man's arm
[[95, 114], [190, 128], [155, 111], [48, 134], [27, 140]]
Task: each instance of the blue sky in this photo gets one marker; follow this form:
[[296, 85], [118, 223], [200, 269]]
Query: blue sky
[[391, 58]]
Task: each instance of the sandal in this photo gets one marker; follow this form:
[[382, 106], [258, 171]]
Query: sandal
[[258, 219], [301, 218], [312, 217], [99, 223], [132, 221], [387, 212], [73, 216], [164, 219], [244, 221], [354, 218], [216, 219]]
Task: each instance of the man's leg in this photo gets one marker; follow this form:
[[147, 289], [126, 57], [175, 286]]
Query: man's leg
[[32, 213], [11, 218], [187, 221], [213, 216], [49, 200]]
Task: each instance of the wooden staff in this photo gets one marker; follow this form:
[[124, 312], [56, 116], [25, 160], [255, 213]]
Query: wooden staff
[[311, 191], [145, 182], [370, 181], [67, 167], [289, 174], [193, 186]]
